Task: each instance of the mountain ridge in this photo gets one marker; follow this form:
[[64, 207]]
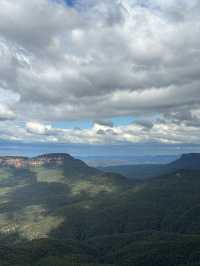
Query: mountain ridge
[[53, 159], [187, 161]]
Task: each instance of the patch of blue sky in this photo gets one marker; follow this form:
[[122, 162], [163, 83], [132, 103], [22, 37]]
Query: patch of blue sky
[[70, 2], [73, 124], [117, 121], [86, 124], [122, 121]]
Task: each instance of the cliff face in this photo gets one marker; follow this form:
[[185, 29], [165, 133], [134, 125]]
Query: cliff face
[[11, 161], [24, 162]]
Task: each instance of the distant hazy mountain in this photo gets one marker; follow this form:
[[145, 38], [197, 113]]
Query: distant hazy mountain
[[142, 171], [187, 161], [105, 161], [55, 210]]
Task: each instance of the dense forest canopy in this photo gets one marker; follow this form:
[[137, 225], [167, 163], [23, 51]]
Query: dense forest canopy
[[56, 210]]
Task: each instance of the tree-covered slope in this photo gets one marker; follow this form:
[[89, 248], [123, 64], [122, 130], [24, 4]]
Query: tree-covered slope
[[54, 213]]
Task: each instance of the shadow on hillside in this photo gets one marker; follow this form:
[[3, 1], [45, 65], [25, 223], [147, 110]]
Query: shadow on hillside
[[22, 190], [29, 206]]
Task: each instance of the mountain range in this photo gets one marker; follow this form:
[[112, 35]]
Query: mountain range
[[56, 210], [189, 161]]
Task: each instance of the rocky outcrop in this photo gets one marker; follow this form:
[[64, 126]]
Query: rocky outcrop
[[57, 159], [12, 161]]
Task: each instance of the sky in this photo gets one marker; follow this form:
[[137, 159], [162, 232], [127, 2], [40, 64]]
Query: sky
[[100, 73]]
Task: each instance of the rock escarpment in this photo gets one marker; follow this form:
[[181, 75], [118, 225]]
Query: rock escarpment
[[54, 159]]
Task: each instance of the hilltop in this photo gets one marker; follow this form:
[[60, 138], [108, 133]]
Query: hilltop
[[189, 161]]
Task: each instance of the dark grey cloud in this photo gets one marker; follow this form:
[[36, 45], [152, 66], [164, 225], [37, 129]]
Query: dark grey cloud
[[106, 123], [146, 124]]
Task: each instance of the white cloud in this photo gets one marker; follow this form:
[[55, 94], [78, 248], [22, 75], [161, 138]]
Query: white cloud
[[6, 113], [38, 128], [162, 131], [97, 60]]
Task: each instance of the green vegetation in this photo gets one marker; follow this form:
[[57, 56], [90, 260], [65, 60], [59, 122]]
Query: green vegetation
[[48, 175], [4, 173], [47, 217]]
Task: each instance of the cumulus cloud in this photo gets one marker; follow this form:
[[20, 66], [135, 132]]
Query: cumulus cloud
[[6, 113], [97, 60], [162, 131], [38, 128]]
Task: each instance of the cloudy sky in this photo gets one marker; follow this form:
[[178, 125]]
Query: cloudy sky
[[100, 72]]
